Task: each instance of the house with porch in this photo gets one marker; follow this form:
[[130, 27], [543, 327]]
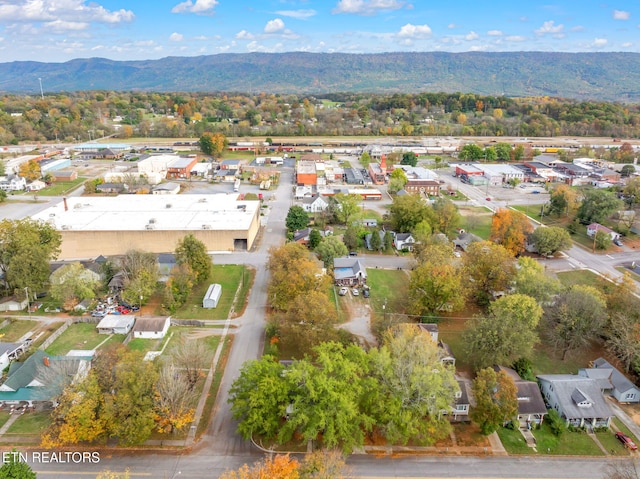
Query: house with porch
[[464, 401], [349, 271], [404, 241], [116, 324], [531, 406], [577, 399], [612, 381], [593, 228]]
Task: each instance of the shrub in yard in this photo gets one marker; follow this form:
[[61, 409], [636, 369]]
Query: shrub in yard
[[556, 423]]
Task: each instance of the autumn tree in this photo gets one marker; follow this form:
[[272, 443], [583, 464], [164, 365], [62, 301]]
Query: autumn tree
[[507, 332], [436, 283], [622, 333], [297, 218], [191, 357], [575, 318], [550, 240], [496, 400], [280, 466], [532, 280], [175, 400], [597, 206], [140, 269], [563, 200], [415, 386], [510, 228], [409, 210], [193, 252], [329, 248], [447, 217], [30, 170], [213, 144], [631, 191], [491, 269], [73, 283], [26, 248]]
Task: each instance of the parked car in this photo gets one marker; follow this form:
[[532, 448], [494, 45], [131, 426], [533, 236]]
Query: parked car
[[343, 291], [535, 192], [353, 253], [355, 291], [366, 293], [618, 242], [98, 314], [488, 199], [626, 441]]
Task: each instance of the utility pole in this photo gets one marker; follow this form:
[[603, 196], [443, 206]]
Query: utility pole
[[41, 90], [26, 292]]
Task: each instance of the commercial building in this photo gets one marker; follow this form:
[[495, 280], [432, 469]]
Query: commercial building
[[181, 168], [155, 223]]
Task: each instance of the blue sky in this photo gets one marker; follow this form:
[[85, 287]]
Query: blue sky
[[60, 30]]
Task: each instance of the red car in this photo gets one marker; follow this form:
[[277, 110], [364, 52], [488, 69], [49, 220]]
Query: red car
[[626, 440]]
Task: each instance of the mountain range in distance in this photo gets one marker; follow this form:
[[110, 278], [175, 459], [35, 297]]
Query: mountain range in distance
[[582, 76]]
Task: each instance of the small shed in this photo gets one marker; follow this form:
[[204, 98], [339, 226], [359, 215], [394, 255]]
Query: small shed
[[116, 324], [151, 328], [212, 297]]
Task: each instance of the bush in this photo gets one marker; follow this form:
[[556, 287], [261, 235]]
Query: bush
[[556, 423], [524, 368]]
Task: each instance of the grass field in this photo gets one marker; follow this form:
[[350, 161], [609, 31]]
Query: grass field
[[568, 444], [18, 328], [611, 444], [513, 441], [30, 424], [229, 276], [476, 220], [390, 286], [585, 277], [61, 187], [77, 336]]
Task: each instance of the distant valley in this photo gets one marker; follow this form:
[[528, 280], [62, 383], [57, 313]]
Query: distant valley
[[583, 76]]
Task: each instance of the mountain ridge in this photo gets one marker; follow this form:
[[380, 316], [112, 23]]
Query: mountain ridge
[[610, 76]]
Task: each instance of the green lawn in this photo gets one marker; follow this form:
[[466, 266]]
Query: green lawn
[[61, 187], [18, 328], [585, 277], [389, 285], [567, 444], [77, 336], [476, 220], [4, 417], [227, 275], [513, 441], [337, 303], [31, 423], [611, 444], [620, 425]]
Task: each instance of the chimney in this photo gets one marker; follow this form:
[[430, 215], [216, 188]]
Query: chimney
[[66, 207], [45, 361]]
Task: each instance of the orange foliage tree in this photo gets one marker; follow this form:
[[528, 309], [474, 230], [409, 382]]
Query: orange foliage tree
[[510, 228], [280, 467]]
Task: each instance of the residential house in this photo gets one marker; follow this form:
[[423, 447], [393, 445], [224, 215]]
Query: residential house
[[444, 351], [612, 381], [38, 380], [11, 351], [35, 185], [367, 239], [594, 227], [302, 236], [12, 183], [464, 400], [231, 165], [12, 303], [65, 175], [86, 274], [577, 399], [83, 305], [110, 188], [369, 222], [166, 189], [404, 241], [464, 239], [314, 204], [116, 324], [166, 262], [349, 271], [151, 328], [531, 406]]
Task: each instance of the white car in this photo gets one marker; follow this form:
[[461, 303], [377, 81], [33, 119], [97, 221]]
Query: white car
[[343, 291], [355, 291]]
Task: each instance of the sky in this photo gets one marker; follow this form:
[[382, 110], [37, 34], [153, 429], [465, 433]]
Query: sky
[[61, 30]]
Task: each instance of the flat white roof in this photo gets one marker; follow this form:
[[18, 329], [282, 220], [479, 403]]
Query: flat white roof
[[155, 212], [499, 169]]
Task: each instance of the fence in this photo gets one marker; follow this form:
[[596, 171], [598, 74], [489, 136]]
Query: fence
[[55, 335]]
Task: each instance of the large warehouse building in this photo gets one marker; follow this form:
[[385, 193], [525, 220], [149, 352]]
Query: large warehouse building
[[113, 225]]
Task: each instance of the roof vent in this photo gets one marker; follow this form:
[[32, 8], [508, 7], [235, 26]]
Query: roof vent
[[149, 227], [206, 227], [169, 205], [202, 200], [152, 221]]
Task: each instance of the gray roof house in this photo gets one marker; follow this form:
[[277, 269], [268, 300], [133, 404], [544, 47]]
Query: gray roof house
[[464, 401], [116, 324], [464, 239], [404, 241], [367, 238], [349, 272], [620, 387], [531, 406], [314, 204], [577, 399]]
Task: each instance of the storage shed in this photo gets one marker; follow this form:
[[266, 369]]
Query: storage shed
[[212, 297]]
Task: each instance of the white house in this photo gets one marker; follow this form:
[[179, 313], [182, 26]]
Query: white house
[[12, 183], [116, 324], [36, 185], [404, 241], [11, 303], [151, 328], [594, 227], [612, 381], [212, 296], [314, 204], [9, 352]]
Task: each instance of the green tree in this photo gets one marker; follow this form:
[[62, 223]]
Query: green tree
[[409, 210], [178, 287], [3, 196], [575, 318], [387, 242], [506, 333], [329, 248], [193, 252], [490, 154], [597, 206], [627, 170], [395, 184], [503, 151], [350, 238], [601, 240], [297, 218], [415, 387], [141, 275], [14, 468], [347, 206], [399, 174], [532, 280], [631, 191], [72, 283], [496, 400], [376, 240], [562, 200], [471, 151], [491, 268], [365, 159], [26, 248], [518, 153], [314, 238], [409, 158], [549, 241], [447, 217]]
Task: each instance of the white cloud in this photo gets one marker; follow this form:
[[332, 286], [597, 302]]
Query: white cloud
[[414, 31], [471, 36], [627, 44], [274, 26], [621, 15], [494, 33], [451, 26], [244, 35], [299, 14], [478, 48], [577, 28], [176, 37], [367, 7], [516, 38], [200, 7], [549, 27], [72, 11], [61, 26], [599, 42]]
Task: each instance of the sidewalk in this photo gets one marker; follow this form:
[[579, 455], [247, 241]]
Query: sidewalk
[[624, 418]]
